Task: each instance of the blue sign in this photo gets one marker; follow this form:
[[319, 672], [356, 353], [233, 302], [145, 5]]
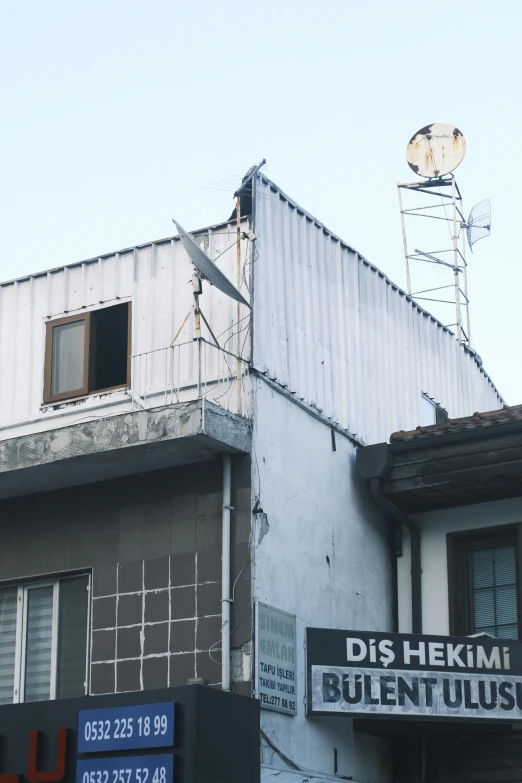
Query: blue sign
[[126, 728], [126, 769]]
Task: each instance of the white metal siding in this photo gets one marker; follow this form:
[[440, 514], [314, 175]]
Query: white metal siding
[[155, 277], [340, 336], [328, 326]]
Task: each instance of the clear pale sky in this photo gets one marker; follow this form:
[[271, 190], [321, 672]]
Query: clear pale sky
[[119, 115]]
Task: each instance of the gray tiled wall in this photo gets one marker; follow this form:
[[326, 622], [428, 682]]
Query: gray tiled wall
[[153, 543], [157, 622]]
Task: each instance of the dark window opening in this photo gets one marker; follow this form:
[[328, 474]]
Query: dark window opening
[[484, 582], [109, 342], [87, 353]]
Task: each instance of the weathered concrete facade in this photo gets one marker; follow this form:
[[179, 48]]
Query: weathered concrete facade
[[323, 554], [127, 483], [120, 445]]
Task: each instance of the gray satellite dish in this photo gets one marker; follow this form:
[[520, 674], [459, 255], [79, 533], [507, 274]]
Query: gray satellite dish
[[479, 223], [207, 269]]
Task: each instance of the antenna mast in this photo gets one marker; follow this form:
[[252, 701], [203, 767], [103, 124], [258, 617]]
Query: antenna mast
[[433, 153]]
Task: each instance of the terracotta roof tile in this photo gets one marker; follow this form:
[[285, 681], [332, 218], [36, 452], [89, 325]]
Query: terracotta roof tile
[[487, 419]]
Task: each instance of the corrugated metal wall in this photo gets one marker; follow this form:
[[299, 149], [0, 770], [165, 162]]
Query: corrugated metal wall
[[155, 277], [327, 325], [333, 330]]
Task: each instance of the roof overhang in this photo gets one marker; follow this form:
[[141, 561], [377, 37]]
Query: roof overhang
[[121, 445], [457, 469]]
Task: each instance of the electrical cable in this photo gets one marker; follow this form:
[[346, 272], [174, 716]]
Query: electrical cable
[[293, 765]]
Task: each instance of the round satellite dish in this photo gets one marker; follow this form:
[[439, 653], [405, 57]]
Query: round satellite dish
[[436, 150]]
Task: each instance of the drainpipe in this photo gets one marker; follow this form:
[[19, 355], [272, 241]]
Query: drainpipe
[[416, 569], [225, 573]]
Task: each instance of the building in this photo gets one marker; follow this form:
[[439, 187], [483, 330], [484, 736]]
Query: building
[[129, 449], [452, 495]]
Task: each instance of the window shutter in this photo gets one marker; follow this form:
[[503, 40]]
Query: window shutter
[[506, 592], [495, 591], [8, 615], [67, 370], [72, 637], [39, 632]]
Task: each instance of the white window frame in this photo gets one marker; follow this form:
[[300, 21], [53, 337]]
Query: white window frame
[[21, 633]]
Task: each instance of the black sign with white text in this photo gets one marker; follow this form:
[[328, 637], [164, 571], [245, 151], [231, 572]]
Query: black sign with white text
[[362, 673], [187, 734]]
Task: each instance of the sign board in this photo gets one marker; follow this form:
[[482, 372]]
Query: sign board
[[126, 769], [126, 728], [186, 734], [276, 659], [357, 673]]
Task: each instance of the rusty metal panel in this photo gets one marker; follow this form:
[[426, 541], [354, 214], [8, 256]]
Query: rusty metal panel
[[436, 150], [156, 278], [339, 335]]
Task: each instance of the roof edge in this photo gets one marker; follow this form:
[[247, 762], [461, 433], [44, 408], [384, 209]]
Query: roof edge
[[479, 425], [223, 223], [130, 249], [385, 277]]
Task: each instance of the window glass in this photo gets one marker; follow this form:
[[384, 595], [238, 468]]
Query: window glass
[[38, 643], [72, 637], [8, 616], [427, 412], [67, 357], [495, 591]]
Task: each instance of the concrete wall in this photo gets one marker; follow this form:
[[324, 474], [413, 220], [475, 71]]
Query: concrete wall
[[434, 528], [324, 556], [153, 544]]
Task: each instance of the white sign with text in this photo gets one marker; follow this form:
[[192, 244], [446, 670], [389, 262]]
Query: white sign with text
[[276, 686]]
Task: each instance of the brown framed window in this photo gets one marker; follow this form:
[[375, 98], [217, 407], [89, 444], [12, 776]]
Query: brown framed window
[[87, 353], [484, 582]]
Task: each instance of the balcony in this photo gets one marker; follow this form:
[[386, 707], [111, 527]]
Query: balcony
[[187, 403]]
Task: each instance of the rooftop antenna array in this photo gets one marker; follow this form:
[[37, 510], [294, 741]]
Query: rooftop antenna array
[[434, 153], [206, 269]]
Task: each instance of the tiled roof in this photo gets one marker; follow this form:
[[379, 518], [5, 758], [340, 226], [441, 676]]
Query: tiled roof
[[455, 426]]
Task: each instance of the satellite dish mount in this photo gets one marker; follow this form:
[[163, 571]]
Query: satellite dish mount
[[205, 269]]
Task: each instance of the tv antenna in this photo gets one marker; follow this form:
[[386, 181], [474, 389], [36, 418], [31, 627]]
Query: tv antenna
[[479, 223], [434, 152]]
